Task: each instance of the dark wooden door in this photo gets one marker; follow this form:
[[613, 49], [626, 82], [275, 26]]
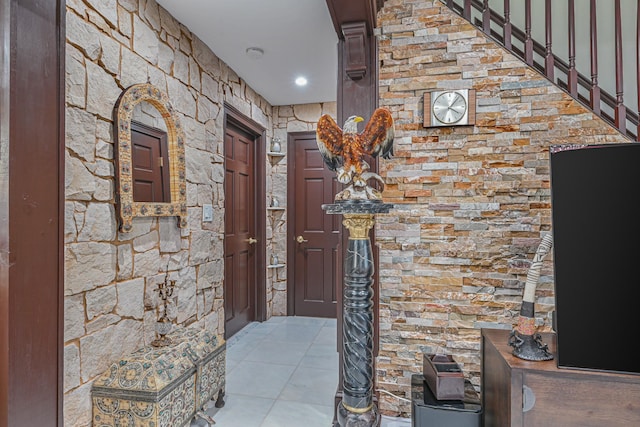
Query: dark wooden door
[[239, 247], [314, 235]]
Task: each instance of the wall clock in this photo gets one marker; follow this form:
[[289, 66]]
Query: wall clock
[[449, 108]]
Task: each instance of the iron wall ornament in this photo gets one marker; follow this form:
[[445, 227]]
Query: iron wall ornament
[[127, 207]]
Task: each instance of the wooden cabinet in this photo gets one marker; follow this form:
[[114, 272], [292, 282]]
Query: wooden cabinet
[[517, 392]]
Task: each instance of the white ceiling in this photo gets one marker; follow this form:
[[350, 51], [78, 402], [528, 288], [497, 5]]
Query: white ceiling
[[297, 36]]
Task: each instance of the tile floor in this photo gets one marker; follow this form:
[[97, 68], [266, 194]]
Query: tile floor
[[283, 373]]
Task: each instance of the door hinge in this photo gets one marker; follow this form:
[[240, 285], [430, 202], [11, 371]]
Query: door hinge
[[160, 162]]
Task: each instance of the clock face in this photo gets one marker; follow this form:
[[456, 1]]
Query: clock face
[[449, 107]]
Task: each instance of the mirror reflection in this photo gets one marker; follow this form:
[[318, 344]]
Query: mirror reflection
[[149, 155]]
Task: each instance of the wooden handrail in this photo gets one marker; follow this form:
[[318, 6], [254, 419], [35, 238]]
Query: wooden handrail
[[621, 117]]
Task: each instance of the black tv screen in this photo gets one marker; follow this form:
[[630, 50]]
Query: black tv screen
[[595, 194]]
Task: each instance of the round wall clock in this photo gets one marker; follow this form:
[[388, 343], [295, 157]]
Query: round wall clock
[[451, 107]]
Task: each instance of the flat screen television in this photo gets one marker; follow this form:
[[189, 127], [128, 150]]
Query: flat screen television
[[595, 199]]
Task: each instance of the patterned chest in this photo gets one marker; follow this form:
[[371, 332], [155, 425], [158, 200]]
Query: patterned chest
[[162, 386]]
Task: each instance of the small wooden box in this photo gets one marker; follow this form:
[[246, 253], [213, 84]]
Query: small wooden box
[[443, 376], [161, 386]]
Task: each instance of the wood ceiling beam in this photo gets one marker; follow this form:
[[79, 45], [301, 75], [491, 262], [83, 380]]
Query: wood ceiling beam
[[347, 11]]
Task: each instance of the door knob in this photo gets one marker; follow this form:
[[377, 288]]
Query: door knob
[[252, 241], [301, 239]]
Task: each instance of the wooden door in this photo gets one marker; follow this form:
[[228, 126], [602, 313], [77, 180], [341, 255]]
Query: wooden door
[[240, 230], [314, 235]]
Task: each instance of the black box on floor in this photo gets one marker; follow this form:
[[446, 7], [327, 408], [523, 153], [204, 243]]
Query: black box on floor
[[427, 411]]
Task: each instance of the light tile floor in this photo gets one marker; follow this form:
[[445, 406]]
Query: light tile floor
[[283, 373]]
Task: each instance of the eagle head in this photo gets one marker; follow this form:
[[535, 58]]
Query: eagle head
[[351, 124]]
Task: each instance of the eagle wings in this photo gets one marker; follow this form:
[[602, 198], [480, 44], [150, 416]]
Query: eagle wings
[[343, 149]]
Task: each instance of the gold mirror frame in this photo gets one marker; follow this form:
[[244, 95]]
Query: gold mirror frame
[[127, 207]]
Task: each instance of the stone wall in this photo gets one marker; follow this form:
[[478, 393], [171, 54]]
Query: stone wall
[[111, 278], [472, 202]]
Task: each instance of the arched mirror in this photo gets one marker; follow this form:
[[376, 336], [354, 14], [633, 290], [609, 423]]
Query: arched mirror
[[150, 163]]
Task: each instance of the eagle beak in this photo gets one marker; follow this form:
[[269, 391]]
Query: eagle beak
[[358, 119]]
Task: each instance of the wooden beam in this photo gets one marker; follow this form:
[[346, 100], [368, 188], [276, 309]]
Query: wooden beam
[[32, 53], [355, 45], [342, 12], [354, 22]]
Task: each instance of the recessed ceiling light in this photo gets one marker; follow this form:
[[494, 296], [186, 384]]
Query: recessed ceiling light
[[301, 81], [254, 52]]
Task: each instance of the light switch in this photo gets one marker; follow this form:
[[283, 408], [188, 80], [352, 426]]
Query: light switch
[[207, 213]]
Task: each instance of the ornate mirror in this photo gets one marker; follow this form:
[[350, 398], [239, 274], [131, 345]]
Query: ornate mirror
[[143, 113]]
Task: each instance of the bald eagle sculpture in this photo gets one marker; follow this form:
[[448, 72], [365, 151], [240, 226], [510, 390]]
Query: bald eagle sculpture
[[343, 151]]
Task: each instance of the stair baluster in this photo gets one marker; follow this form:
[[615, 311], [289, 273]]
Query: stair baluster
[[541, 57]]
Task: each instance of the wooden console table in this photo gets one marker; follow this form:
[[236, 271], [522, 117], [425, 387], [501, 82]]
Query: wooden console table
[[517, 392]]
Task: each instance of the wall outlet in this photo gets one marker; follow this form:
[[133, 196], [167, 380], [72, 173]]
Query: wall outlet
[[207, 213]]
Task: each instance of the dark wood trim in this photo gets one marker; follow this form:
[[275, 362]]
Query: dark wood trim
[[486, 17], [291, 215], [594, 91], [342, 12], [548, 38], [620, 109], [355, 37], [506, 33], [572, 75], [466, 10], [32, 54], [528, 41], [357, 96], [233, 115]]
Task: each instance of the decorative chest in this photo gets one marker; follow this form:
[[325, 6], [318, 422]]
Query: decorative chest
[[162, 386], [210, 361]]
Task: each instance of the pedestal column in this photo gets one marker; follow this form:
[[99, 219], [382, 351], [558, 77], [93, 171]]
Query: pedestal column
[[357, 408]]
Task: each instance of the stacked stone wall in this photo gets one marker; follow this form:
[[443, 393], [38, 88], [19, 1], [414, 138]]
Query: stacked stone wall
[[471, 202], [111, 278]]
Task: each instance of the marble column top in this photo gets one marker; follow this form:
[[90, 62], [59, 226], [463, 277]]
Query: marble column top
[[357, 207]]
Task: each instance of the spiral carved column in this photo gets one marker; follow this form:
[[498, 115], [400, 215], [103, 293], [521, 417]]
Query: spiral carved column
[[357, 299], [357, 408]]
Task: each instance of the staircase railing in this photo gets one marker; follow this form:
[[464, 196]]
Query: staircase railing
[[496, 19]]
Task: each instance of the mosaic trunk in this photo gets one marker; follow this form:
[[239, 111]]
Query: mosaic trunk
[[162, 387]]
